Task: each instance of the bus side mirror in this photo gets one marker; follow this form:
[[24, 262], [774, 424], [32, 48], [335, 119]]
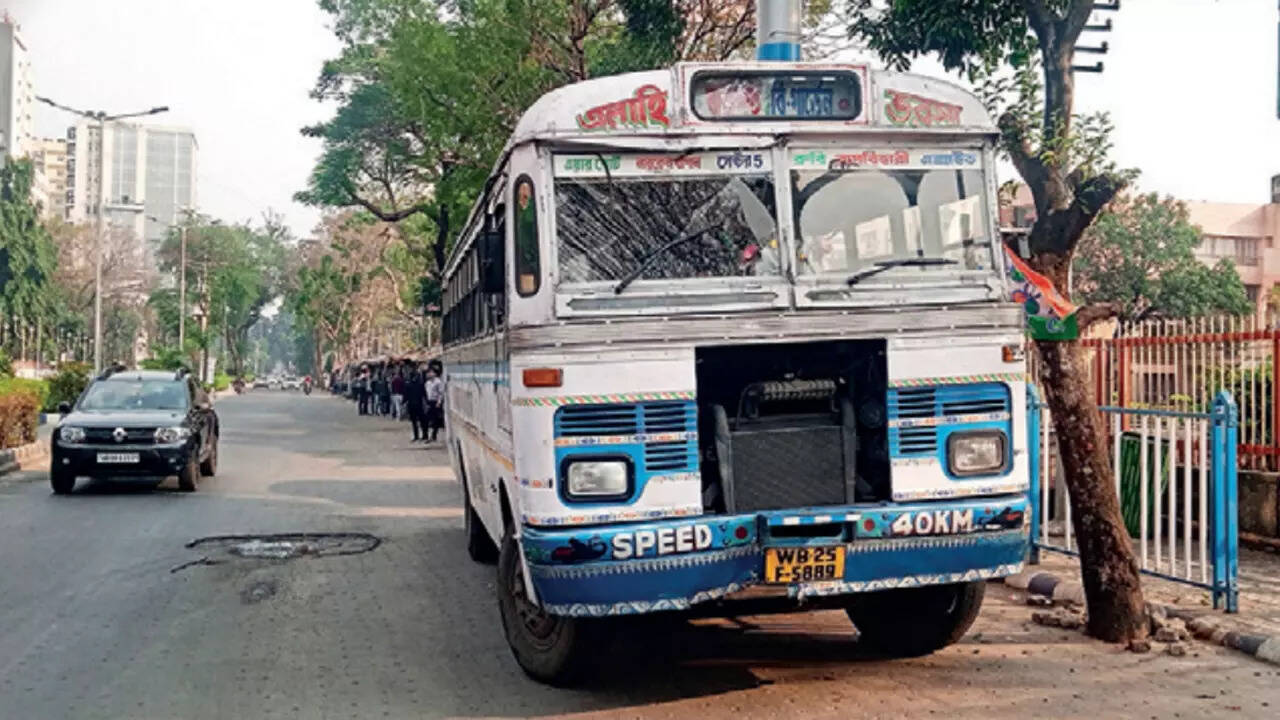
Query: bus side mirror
[[493, 270]]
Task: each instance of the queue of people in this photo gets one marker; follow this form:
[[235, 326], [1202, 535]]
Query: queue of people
[[402, 391]]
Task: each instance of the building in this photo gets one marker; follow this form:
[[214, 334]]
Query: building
[[1248, 234], [150, 173], [17, 93], [49, 157]]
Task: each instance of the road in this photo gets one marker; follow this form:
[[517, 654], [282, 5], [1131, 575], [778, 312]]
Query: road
[[106, 613]]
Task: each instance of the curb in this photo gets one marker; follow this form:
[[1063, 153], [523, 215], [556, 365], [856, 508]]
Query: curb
[[1202, 625], [13, 459]]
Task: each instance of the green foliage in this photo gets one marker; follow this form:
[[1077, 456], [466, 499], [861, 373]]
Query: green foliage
[[6, 364], [232, 273], [39, 389], [1140, 254], [966, 36], [27, 254], [165, 358], [221, 381], [66, 386]]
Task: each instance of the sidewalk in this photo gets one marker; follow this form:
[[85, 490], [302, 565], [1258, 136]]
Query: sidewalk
[[1259, 590]]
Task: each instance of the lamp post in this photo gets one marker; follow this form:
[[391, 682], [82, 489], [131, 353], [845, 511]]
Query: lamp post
[[182, 284], [201, 317], [101, 118]]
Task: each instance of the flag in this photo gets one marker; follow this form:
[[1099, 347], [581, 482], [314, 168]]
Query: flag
[[1050, 316]]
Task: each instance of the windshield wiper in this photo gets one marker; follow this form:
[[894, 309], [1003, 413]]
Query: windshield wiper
[[653, 255], [883, 265]]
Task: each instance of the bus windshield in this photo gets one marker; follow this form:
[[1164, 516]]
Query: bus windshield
[[853, 217], [610, 225]]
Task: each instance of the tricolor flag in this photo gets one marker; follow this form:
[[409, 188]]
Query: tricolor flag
[[1050, 316]]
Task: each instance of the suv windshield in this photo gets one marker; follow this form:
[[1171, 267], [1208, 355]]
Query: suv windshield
[[614, 212], [858, 208], [135, 395]]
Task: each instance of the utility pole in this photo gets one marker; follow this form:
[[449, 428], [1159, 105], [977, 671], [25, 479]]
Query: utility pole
[[102, 119], [182, 282]]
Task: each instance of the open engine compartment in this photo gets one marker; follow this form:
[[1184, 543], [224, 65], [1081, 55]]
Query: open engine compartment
[[792, 425]]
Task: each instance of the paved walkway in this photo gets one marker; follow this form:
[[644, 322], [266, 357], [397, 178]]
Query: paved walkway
[[1259, 589]]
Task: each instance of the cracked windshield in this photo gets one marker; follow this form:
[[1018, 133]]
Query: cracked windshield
[[616, 359], [714, 219]]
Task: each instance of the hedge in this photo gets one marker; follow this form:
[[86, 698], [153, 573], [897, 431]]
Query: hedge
[[66, 386], [19, 413], [39, 388]]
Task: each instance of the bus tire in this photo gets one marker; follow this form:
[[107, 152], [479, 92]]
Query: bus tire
[[911, 622], [479, 545], [549, 648]]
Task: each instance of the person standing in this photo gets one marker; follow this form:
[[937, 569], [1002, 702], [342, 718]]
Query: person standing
[[415, 403], [397, 394], [434, 390], [384, 392], [362, 390]]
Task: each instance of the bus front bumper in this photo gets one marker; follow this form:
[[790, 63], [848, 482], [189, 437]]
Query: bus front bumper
[[674, 565]]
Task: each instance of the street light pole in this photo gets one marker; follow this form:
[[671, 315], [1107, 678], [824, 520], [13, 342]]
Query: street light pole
[[97, 253], [102, 119], [182, 292]]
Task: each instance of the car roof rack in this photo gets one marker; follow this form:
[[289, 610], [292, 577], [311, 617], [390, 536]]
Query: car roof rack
[[112, 369]]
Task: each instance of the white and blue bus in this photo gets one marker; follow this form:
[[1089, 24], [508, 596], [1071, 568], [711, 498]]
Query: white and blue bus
[[734, 335]]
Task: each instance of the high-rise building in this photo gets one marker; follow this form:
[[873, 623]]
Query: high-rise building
[[150, 173], [17, 94], [49, 157]]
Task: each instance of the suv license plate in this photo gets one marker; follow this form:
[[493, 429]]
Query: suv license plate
[[803, 564], [117, 458]]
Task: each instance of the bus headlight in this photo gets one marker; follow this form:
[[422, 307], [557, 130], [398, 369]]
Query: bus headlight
[[597, 478], [976, 453]]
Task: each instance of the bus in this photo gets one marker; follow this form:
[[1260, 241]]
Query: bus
[[736, 336]]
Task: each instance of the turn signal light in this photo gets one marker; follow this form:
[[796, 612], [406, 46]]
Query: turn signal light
[[543, 377], [1013, 353]]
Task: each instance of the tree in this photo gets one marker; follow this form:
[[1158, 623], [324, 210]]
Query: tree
[[232, 273], [1139, 255], [27, 254], [427, 96], [1023, 52]]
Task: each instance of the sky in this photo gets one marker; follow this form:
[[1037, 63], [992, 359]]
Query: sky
[[237, 72], [1191, 88], [1190, 84]]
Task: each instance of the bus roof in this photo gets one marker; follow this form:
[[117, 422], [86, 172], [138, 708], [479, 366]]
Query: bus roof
[[755, 98]]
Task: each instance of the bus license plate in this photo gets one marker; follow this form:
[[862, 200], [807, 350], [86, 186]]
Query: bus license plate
[[803, 564], [117, 458]]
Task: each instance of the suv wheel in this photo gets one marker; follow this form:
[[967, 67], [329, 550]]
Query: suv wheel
[[190, 476], [63, 482], [209, 467]]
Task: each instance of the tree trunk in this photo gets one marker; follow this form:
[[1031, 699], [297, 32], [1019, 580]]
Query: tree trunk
[[1112, 585]]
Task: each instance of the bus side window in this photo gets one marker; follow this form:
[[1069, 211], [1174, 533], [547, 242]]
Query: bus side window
[[527, 259]]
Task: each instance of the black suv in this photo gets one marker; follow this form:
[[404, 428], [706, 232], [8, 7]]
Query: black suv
[[140, 424]]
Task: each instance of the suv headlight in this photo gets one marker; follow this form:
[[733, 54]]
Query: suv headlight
[[976, 453], [597, 478], [71, 434], [171, 434]]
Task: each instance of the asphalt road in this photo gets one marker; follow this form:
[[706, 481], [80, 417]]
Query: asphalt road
[[106, 613]]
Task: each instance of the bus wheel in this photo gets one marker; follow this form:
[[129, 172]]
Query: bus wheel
[[911, 622], [549, 648], [479, 545]]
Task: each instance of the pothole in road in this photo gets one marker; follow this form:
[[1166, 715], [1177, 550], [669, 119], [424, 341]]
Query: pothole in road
[[280, 546]]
